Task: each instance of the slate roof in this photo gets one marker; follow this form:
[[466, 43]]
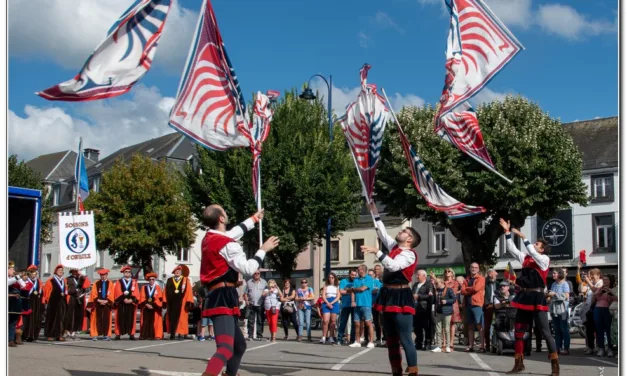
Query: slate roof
[[170, 146], [57, 166], [597, 139]]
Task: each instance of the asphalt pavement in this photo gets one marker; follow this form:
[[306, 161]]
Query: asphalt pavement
[[189, 357]]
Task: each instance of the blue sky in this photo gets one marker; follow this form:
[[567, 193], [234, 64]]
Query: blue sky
[[570, 65]]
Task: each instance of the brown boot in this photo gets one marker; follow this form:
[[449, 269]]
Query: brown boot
[[555, 365], [12, 344], [518, 364], [18, 337], [412, 371]]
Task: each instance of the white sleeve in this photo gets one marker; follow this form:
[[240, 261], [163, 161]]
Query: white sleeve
[[386, 239], [238, 231], [400, 262], [236, 258], [511, 248], [541, 260], [11, 280], [21, 282]]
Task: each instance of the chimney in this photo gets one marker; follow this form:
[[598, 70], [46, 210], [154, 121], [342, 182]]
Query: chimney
[[91, 154]]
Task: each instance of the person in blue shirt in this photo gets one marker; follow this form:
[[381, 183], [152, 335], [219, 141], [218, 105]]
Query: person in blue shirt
[[362, 288], [348, 304]]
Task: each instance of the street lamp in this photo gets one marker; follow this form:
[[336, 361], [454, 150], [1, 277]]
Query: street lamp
[[308, 94]]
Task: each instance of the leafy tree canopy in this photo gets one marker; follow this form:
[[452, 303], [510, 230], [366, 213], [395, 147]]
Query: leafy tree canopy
[[140, 212]]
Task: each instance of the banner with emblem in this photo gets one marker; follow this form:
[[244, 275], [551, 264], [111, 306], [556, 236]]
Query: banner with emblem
[[77, 240]]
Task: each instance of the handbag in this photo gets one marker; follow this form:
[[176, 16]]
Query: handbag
[[288, 308], [273, 310]]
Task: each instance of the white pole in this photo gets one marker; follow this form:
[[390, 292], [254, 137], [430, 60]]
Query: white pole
[[259, 202]]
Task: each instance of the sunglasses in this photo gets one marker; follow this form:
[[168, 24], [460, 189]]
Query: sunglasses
[[305, 282]]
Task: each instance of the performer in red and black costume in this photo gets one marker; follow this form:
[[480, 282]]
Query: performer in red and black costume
[[222, 259], [530, 301], [396, 300]]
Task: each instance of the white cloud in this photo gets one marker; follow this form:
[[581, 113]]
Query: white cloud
[[512, 12], [561, 20], [341, 97], [566, 22], [68, 31], [486, 95], [364, 39], [386, 22], [105, 125]]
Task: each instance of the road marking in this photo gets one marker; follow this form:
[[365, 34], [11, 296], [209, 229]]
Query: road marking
[[159, 344], [341, 364], [483, 365], [258, 347], [173, 373], [604, 362]]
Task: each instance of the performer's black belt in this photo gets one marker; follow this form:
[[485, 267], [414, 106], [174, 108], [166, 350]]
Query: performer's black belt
[[538, 289], [220, 285], [397, 286]]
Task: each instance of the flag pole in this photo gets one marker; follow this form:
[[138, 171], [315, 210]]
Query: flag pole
[[78, 174], [363, 185], [259, 202]]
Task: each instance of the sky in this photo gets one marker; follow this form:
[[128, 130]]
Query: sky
[[569, 65]]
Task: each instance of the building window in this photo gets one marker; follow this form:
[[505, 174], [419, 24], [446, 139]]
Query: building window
[[602, 188], [503, 246], [101, 259], [56, 195], [439, 240], [183, 255], [335, 250], [357, 255], [47, 264], [604, 233], [95, 183]]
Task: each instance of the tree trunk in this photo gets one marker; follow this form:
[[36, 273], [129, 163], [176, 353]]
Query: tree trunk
[[146, 265]]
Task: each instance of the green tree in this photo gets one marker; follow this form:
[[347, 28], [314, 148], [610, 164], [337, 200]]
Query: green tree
[[525, 144], [140, 212], [304, 180], [20, 175]]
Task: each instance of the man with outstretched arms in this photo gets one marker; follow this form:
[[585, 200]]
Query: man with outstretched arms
[[395, 300], [222, 259]]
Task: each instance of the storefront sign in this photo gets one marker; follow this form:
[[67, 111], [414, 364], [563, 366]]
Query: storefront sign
[[439, 271], [557, 231]]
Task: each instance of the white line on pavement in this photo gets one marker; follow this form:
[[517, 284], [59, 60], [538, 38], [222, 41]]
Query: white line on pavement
[[341, 364], [258, 347], [159, 344], [172, 373], [604, 361], [483, 365]]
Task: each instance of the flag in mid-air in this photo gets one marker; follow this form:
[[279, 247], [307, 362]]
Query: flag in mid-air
[[80, 174], [210, 107], [259, 130], [478, 47], [122, 59], [435, 196], [363, 126], [509, 274]]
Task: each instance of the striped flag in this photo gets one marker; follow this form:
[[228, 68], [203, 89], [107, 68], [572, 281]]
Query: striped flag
[[509, 273], [478, 47], [433, 194], [209, 106], [122, 59], [363, 126]]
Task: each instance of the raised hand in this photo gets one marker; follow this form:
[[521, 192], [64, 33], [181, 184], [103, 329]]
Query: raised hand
[[365, 249], [270, 244], [506, 225], [259, 215]]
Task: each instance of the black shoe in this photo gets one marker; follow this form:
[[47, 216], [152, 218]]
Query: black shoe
[[427, 348], [538, 348], [172, 337], [117, 338], [132, 338]]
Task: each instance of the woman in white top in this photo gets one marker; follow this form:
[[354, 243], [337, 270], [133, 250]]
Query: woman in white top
[[330, 307], [271, 304]]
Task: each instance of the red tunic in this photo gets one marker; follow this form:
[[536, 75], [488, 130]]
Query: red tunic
[[392, 299], [531, 277], [215, 269]]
